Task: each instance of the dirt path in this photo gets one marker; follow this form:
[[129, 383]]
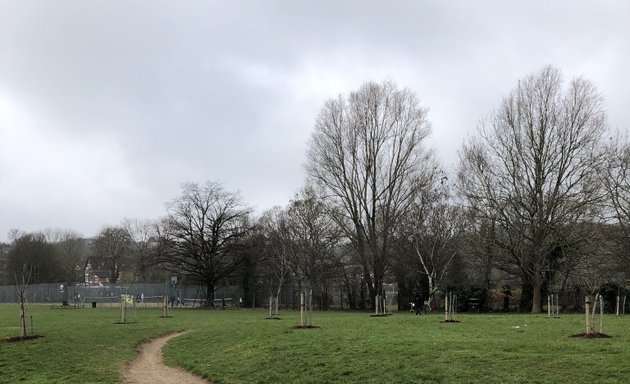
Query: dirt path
[[148, 366]]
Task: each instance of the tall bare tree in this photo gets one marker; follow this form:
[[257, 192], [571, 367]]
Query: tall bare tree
[[531, 171], [38, 255], [143, 248], [112, 249], [203, 235], [366, 153], [314, 237], [72, 254], [275, 228], [435, 228], [616, 180]]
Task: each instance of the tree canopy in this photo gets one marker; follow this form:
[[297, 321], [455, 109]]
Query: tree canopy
[[203, 235], [532, 170]]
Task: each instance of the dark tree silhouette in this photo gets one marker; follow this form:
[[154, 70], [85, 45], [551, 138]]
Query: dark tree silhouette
[[203, 235]]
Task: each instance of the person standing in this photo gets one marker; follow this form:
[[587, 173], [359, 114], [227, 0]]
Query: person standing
[[417, 303]]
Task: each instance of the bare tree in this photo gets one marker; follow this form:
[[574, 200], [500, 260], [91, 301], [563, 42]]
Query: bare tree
[[532, 170], [313, 238], [435, 228], [366, 153], [203, 235], [39, 256], [72, 255], [112, 249], [22, 280], [616, 180], [143, 248], [274, 226], [484, 258]]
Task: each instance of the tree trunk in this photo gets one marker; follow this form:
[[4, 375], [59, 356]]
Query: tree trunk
[[352, 296], [279, 291], [209, 295], [432, 290], [371, 288], [404, 295], [377, 287], [324, 297], [525, 303], [536, 289], [362, 298], [22, 317]]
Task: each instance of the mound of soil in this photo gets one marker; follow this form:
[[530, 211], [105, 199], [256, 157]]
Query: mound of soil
[[19, 338], [305, 327], [449, 321], [594, 335]]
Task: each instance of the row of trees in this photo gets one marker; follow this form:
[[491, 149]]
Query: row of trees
[[49, 256], [539, 196]]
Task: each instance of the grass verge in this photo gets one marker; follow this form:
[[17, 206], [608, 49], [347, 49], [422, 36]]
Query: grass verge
[[241, 346]]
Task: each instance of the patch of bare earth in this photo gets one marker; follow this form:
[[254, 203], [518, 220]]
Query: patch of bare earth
[[17, 339], [148, 367], [592, 335]]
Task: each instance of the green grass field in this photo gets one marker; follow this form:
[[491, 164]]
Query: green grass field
[[241, 346]]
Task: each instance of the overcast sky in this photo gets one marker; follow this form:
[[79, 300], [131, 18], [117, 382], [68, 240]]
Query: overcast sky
[[107, 107]]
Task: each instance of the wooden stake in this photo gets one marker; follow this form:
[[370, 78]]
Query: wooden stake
[[123, 318], [549, 305], [587, 304], [270, 307], [557, 305], [302, 309], [310, 307], [617, 308], [455, 307], [384, 301], [601, 315], [593, 311], [22, 323], [446, 307]]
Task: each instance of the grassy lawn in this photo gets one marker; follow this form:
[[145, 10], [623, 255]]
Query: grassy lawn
[[240, 346]]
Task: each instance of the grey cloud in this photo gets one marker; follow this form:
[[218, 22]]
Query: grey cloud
[[229, 90]]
